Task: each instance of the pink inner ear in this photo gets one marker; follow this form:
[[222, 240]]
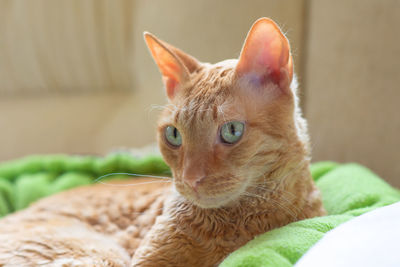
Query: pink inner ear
[[171, 73], [172, 70], [170, 87], [265, 53]]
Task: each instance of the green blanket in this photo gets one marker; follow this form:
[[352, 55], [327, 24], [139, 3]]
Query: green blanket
[[348, 190], [28, 179]]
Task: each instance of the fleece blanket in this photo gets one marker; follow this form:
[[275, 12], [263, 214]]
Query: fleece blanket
[[348, 190]]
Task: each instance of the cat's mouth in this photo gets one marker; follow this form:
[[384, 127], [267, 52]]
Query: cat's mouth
[[204, 199]]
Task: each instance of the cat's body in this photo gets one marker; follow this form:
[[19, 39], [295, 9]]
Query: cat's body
[[237, 146], [99, 225]]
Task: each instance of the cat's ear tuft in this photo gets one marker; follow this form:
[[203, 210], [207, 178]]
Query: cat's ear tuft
[[174, 72], [265, 55]]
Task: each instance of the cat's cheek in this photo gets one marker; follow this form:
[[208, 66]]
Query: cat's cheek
[[221, 155], [170, 156], [180, 188]]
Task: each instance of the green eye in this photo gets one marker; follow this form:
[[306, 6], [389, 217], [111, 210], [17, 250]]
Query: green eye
[[232, 131], [173, 136]]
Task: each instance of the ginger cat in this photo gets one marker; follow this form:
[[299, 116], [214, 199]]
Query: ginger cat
[[237, 145]]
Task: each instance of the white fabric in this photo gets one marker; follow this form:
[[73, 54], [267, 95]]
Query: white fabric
[[370, 240]]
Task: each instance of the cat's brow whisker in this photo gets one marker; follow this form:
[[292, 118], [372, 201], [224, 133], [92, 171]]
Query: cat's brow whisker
[[124, 185], [221, 112], [158, 107], [169, 106], [131, 174]]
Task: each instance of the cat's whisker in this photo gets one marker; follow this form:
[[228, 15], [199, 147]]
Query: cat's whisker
[[287, 174], [292, 204], [275, 202], [281, 180], [125, 185], [263, 174], [278, 184], [262, 188], [252, 157], [271, 190], [131, 174], [283, 193]]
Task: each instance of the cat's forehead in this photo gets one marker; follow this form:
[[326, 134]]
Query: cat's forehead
[[210, 90], [209, 97], [211, 78], [201, 110]]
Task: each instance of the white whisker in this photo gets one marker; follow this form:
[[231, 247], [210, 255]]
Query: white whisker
[[131, 174], [286, 209], [123, 185]]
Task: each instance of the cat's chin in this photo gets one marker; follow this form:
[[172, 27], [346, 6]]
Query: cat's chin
[[208, 202]]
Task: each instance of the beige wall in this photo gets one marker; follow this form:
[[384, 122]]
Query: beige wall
[[67, 46], [353, 83], [76, 77], [83, 124]]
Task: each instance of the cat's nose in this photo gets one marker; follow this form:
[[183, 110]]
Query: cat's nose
[[193, 171], [193, 181]]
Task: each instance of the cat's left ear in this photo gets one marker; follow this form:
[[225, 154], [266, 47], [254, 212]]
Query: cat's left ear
[[265, 56], [175, 65]]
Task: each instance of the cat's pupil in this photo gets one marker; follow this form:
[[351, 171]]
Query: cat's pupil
[[175, 133], [232, 129]]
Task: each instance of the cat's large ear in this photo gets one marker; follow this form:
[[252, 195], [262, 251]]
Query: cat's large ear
[[265, 55], [174, 64]]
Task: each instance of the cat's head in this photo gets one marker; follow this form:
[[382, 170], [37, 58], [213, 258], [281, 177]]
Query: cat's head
[[226, 124]]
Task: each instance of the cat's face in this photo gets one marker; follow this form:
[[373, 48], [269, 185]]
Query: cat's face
[[227, 123]]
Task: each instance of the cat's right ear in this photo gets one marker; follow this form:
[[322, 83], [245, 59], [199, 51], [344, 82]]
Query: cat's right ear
[[265, 56], [174, 64]]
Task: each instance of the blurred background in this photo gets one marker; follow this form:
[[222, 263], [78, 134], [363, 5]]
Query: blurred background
[[76, 77]]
